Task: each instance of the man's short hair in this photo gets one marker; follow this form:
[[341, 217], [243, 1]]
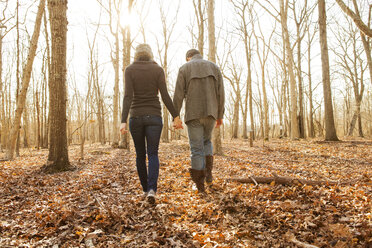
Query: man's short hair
[[191, 53]]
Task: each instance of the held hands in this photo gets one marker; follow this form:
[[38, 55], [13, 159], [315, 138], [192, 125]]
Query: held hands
[[177, 123], [219, 123], [123, 128]]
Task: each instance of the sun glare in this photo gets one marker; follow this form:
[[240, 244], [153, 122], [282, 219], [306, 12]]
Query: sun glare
[[128, 19]]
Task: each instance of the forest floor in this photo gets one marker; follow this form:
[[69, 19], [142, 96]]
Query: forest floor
[[100, 204]]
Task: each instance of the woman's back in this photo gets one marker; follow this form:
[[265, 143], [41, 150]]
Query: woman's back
[[144, 77]]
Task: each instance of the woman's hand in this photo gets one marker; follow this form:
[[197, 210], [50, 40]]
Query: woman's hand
[[123, 128], [177, 123]]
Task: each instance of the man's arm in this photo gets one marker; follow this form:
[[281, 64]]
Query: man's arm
[[220, 96], [179, 92]]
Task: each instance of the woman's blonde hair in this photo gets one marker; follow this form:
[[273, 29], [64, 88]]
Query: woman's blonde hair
[[143, 50]]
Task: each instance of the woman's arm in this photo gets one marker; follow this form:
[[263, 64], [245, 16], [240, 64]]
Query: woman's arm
[[128, 97]]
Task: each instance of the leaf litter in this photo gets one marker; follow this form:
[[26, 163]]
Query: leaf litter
[[100, 204]]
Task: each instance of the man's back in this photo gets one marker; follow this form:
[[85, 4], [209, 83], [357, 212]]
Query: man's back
[[200, 83]]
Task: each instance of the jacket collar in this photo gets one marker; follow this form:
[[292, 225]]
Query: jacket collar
[[197, 56]]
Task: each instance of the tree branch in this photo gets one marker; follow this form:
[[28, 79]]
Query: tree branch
[[357, 20]]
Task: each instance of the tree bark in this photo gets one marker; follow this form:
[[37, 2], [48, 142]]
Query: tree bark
[[200, 21], [311, 107], [165, 131], [366, 40], [2, 110], [295, 134], [236, 117], [248, 102], [25, 82], [301, 118], [58, 153], [127, 43], [47, 77], [330, 129], [17, 75], [115, 61], [357, 20], [216, 140]]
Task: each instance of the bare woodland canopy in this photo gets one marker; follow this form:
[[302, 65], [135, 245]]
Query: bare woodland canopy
[[273, 56]]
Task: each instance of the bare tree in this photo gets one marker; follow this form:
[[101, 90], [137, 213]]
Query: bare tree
[[200, 19], [245, 12], [113, 10], [330, 129], [302, 25], [310, 38], [366, 40], [127, 44], [281, 16], [94, 79], [217, 139], [25, 82], [356, 18], [58, 153], [263, 59], [168, 23], [143, 14], [235, 73], [352, 68]]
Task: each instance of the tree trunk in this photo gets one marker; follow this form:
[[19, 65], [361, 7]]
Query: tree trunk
[[25, 129], [360, 129], [165, 131], [25, 82], [2, 110], [266, 106], [248, 53], [38, 140], [200, 21], [295, 134], [47, 77], [311, 120], [17, 74], [236, 117], [216, 140], [58, 153], [330, 129], [115, 61], [301, 122], [127, 43]]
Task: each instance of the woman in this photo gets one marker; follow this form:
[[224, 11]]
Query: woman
[[144, 79]]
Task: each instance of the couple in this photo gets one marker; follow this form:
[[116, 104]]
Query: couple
[[200, 83]]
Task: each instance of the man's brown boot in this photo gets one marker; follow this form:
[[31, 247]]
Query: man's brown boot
[[209, 168], [198, 176]]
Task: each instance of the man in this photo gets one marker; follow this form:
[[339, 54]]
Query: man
[[200, 83]]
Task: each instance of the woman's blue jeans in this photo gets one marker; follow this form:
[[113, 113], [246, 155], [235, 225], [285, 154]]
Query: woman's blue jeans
[[146, 131]]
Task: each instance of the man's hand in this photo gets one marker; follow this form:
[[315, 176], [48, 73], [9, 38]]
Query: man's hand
[[123, 128], [177, 123], [219, 123]]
